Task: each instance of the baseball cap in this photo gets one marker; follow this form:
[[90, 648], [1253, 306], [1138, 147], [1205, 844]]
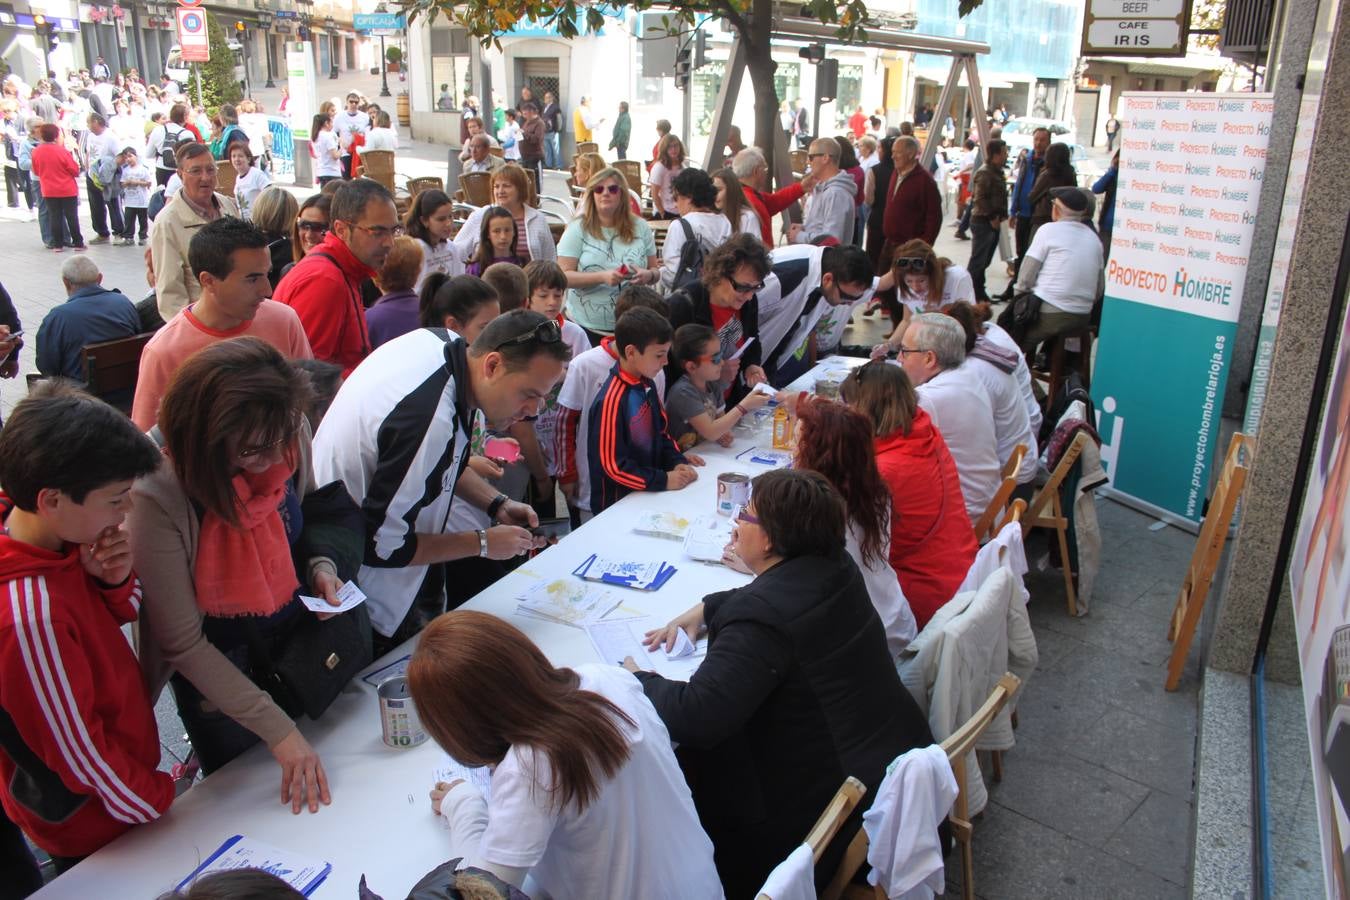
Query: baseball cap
[[1075, 199]]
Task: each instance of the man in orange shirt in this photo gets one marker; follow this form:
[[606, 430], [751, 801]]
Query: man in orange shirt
[[230, 260]]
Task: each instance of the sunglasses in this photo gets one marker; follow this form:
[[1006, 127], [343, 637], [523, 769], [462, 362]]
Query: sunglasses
[[747, 518], [316, 227], [740, 288], [851, 298], [547, 332], [910, 264], [610, 189], [715, 359]]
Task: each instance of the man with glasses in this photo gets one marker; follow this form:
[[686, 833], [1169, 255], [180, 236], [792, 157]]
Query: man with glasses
[[324, 287], [230, 262], [806, 302], [932, 351], [398, 434], [725, 300], [832, 207], [348, 124], [192, 207]]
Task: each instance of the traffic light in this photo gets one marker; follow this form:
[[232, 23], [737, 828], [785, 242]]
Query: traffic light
[[239, 26], [827, 80], [700, 49], [683, 68], [45, 31]]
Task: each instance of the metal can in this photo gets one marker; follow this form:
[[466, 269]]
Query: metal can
[[733, 491], [398, 716]]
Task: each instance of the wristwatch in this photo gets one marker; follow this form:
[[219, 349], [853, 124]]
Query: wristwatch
[[482, 543], [495, 506]]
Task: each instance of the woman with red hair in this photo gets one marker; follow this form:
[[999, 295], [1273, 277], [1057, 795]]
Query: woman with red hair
[[837, 442], [932, 541], [586, 795]]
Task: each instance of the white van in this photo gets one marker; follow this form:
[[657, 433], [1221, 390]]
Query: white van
[[181, 72]]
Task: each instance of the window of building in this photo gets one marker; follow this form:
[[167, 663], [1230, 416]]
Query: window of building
[[451, 77]]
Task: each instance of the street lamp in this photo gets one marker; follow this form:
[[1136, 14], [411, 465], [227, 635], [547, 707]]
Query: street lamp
[[381, 9], [265, 23]]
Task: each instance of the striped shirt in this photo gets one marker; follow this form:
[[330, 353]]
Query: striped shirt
[[397, 437]]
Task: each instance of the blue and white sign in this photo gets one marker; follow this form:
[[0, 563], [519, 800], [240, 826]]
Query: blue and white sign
[[378, 21]]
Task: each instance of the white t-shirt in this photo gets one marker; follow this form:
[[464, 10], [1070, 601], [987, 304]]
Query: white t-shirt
[[586, 374], [136, 197], [547, 426], [325, 164], [711, 229], [255, 126], [1011, 424], [1001, 338], [883, 586], [960, 409], [1070, 254], [660, 179], [956, 287], [381, 139], [749, 222], [511, 134], [444, 257], [639, 838], [247, 187], [346, 124]]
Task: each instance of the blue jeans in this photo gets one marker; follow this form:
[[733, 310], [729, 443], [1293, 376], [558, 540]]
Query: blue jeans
[[552, 151]]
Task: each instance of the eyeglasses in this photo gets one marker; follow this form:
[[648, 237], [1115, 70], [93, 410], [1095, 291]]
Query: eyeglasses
[[610, 189], [747, 518], [316, 227], [199, 172], [814, 155], [546, 332], [851, 298], [903, 350], [739, 288], [379, 232], [252, 452], [910, 264]]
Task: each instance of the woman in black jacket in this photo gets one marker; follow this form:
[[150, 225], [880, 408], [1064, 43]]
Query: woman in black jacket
[[1058, 171], [797, 692]]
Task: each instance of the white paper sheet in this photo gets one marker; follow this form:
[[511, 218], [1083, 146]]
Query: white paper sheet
[[240, 852], [349, 594], [616, 640]]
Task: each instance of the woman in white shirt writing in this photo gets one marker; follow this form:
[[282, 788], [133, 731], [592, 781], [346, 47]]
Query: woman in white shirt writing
[[586, 795]]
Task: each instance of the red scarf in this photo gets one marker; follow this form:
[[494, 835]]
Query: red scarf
[[247, 571]]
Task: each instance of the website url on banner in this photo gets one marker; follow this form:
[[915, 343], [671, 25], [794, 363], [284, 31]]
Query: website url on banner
[[1197, 491]]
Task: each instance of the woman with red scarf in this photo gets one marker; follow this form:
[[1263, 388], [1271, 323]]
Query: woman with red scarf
[[218, 535]]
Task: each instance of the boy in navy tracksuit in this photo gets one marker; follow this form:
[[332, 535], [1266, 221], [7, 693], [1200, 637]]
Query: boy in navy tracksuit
[[629, 449]]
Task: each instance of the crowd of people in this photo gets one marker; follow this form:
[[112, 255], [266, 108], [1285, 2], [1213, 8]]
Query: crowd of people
[[316, 406]]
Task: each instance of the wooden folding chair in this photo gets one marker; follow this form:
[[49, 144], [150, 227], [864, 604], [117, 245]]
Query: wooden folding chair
[[587, 147], [957, 747], [798, 160], [497, 152], [998, 504], [837, 811], [1013, 514], [1209, 546], [1047, 511], [632, 173], [476, 187], [426, 182], [225, 177], [378, 165], [111, 368]]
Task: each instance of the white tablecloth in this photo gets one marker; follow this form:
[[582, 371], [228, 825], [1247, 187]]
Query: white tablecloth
[[380, 823]]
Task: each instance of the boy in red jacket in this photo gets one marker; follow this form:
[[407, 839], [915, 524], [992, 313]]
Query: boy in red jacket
[[79, 747]]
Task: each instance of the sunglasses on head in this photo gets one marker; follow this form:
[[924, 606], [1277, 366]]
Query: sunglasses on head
[[610, 189], [547, 332], [910, 264]]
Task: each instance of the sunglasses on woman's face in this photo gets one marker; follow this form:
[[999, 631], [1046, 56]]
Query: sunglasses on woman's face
[[610, 189], [316, 227], [910, 264]]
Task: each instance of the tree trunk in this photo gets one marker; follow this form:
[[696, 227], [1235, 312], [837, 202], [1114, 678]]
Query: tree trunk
[[759, 60]]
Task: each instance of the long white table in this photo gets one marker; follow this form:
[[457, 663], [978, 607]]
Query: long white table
[[380, 823]]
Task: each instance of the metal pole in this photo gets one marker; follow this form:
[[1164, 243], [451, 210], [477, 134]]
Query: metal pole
[[267, 36], [384, 71], [197, 70]]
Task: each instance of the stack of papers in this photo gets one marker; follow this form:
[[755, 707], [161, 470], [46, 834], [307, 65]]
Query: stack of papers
[[240, 852], [663, 525], [766, 456], [642, 576], [707, 538], [567, 602], [615, 641], [451, 769]]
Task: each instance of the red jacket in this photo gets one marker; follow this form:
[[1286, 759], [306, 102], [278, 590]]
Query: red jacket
[[914, 209], [79, 747], [932, 540], [56, 170], [767, 206], [324, 289]]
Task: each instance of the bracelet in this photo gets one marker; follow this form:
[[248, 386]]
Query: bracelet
[[741, 409], [482, 543], [495, 506]]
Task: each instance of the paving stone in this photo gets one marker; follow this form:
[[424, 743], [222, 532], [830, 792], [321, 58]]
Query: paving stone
[[1141, 749], [1156, 837]]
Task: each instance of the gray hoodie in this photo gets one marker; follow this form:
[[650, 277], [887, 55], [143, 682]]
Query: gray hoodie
[[831, 210]]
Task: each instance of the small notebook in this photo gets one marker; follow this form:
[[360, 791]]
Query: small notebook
[[566, 602], [663, 524], [642, 576], [240, 852], [708, 538]]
